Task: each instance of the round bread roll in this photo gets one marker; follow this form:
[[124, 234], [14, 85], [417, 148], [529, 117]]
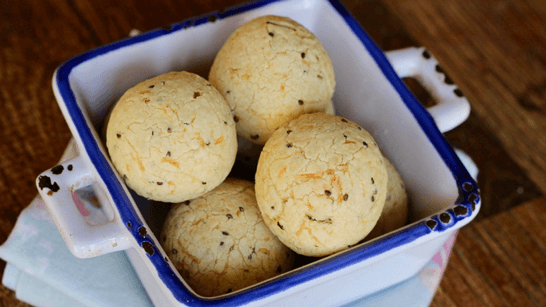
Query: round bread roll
[[172, 137], [321, 184], [271, 70], [219, 242], [395, 211]]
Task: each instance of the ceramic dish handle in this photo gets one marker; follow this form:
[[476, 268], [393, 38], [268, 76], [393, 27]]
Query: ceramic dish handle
[[56, 186], [452, 108]]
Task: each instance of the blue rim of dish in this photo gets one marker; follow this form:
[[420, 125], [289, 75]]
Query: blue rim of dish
[[464, 208]]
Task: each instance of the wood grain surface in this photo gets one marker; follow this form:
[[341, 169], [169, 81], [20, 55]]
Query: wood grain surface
[[495, 51]]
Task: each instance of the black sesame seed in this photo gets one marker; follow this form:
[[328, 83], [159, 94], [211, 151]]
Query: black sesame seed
[[69, 167], [365, 144], [118, 135], [373, 181], [288, 131], [280, 226], [203, 183], [169, 130], [319, 76], [272, 207], [225, 233], [168, 153], [271, 34], [225, 123], [241, 209], [303, 55], [236, 119], [129, 225], [228, 92], [344, 120], [345, 197], [187, 203], [345, 136], [151, 86], [288, 145], [222, 243], [196, 94], [159, 183], [229, 216], [373, 199], [327, 192]]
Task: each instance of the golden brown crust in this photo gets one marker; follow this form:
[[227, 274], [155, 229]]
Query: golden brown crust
[[271, 70], [321, 184], [395, 211], [219, 242], [172, 137]]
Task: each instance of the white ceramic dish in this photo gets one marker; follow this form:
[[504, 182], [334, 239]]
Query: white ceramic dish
[[369, 91]]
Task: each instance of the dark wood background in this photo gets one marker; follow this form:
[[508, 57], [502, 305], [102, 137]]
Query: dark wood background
[[494, 50]]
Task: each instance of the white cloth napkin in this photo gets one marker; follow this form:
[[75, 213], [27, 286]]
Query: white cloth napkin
[[43, 272]]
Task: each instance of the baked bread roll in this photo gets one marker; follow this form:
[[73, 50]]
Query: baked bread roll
[[395, 211], [219, 242], [321, 184], [172, 137], [270, 70]]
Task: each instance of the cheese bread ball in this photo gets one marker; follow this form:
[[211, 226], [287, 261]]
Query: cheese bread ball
[[219, 242], [271, 70], [172, 137], [395, 211], [321, 184]]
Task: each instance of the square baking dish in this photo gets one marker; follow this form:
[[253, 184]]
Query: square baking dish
[[443, 196]]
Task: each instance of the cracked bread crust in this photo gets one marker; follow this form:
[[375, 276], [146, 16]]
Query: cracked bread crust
[[395, 211], [321, 184], [219, 242], [270, 70], [172, 137]]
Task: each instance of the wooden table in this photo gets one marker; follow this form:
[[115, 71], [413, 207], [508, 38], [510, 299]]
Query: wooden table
[[494, 50]]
